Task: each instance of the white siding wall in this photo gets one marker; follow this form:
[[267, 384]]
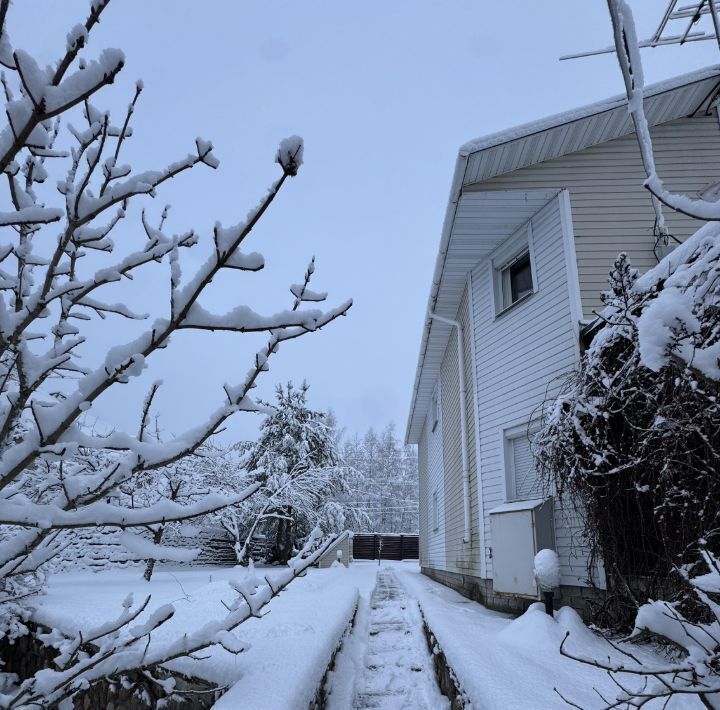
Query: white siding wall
[[459, 556], [424, 520], [434, 540], [611, 209], [519, 355]]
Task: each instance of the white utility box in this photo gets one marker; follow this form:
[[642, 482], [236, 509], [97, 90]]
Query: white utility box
[[519, 531]]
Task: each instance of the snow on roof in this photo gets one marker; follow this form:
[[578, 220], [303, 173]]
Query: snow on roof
[[559, 119], [517, 506], [336, 543], [521, 146]]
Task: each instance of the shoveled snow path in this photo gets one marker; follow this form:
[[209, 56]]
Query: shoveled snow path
[[396, 670]]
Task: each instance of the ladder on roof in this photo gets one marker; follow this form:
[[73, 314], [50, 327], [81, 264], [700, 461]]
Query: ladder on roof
[[687, 23]]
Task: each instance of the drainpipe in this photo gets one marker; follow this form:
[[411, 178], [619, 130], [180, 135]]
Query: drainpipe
[[463, 421]]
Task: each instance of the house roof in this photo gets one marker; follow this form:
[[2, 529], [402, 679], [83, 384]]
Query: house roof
[[464, 240]]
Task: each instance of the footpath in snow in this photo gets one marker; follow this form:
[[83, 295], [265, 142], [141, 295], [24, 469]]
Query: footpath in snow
[[385, 663]]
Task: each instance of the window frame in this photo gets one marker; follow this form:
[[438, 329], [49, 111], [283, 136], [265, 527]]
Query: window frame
[[510, 434], [503, 259], [506, 278], [435, 409]]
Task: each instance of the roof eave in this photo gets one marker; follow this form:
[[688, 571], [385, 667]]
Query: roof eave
[[455, 192]]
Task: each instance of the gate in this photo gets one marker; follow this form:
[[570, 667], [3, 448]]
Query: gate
[[380, 546]]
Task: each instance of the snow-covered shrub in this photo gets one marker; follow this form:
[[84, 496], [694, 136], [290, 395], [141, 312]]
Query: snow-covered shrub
[[67, 190], [634, 437]]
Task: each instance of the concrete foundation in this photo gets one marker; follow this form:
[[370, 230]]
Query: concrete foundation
[[481, 590]]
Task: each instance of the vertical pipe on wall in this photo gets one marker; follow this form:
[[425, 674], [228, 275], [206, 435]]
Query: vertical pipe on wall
[[463, 421]]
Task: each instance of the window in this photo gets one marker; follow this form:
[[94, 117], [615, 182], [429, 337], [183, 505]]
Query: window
[[516, 279], [435, 511], [525, 477], [435, 410], [513, 270], [522, 479]]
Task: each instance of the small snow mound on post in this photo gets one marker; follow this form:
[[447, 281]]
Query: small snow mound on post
[[290, 154], [547, 569]]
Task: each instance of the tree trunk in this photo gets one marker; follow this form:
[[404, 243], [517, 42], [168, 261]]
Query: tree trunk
[[283, 538], [150, 564]]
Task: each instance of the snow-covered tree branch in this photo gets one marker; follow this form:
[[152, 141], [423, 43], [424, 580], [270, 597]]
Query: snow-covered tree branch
[[69, 194], [121, 645], [628, 54]]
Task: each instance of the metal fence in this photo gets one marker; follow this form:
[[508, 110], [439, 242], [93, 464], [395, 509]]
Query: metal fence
[[381, 546]]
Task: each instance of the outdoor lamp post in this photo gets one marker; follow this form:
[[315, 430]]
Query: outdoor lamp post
[[547, 576], [548, 595]]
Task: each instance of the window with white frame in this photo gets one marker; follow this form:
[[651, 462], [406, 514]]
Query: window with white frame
[[513, 270], [523, 481], [435, 511]]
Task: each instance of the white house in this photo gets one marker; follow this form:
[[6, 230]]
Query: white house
[[536, 216]]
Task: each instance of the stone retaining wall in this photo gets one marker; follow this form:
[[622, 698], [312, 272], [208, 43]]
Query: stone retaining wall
[[27, 655], [321, 696], [447, 680]]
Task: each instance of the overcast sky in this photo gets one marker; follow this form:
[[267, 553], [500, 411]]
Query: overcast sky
[[383, 94]]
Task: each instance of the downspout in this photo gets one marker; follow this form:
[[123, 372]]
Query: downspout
[[463, 421]]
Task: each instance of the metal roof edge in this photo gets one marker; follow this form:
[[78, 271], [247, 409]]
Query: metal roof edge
[[546, 123]]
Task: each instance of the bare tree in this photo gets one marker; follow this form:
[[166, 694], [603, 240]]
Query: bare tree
[[54, 267]]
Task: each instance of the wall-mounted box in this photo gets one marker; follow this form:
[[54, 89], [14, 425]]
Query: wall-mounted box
[[519, 531]]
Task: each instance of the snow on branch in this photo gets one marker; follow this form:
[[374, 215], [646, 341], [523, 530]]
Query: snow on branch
[[694, 673], [143, 549], [290, 154], [57, 474], [19, 511], [301, 291], [127, 647], [628, 54], [305, 294], [243, 319], [30, 215], [47, 97]]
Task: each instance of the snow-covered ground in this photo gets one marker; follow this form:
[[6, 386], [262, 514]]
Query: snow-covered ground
[[289, 649], [515, 664], [500, 662]]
